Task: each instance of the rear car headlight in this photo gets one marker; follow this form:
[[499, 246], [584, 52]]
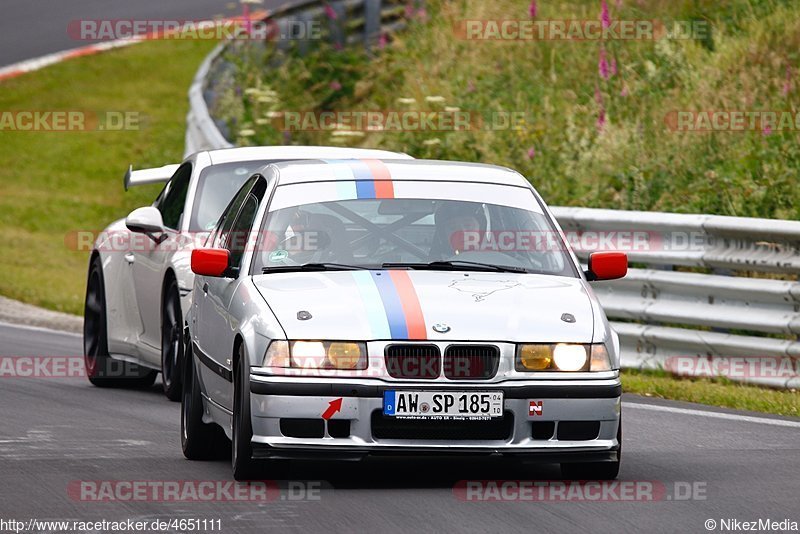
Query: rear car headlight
[[341, 355], [567, 357]]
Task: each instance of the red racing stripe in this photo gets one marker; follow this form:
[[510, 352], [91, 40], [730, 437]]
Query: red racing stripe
[[415, 321], [384, 188]]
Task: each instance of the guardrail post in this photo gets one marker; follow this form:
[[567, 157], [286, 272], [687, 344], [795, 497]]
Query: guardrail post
[[337, 25], [372, 22], [304, 21]]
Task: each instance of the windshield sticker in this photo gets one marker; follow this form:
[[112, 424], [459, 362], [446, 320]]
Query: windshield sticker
[[278, 255]]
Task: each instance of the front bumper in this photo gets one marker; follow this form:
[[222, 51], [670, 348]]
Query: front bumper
[[359, 428]]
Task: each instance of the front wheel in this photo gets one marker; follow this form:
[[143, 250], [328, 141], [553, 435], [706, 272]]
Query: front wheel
[[199, 440], [172, 346], [244, 467]]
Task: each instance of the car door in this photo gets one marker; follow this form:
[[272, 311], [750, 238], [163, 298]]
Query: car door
[[212, 296], [149, 262]]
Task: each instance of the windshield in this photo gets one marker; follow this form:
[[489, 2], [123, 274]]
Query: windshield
[[439, 225], [216, 187]]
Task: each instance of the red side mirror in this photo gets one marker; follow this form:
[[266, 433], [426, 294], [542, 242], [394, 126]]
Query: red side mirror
[[607, 266], [210, 261]]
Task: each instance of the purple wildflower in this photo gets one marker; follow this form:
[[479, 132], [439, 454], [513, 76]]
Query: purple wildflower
[[602, 64], [533, 9], [383, 41], [605, 16], [330, 12], [336, 86], [601, 120], [531, 152]]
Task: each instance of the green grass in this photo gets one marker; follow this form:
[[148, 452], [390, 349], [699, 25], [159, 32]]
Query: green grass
[[716, 392], [56, 183], [635, 162]]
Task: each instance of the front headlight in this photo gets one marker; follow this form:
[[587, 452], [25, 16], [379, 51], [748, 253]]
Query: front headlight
[[570, 357], [341, 355], [566, 357]]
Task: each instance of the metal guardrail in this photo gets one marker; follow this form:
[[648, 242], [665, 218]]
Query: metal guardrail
[[202, 132], [664, 317], [355, 22], [684, 321]]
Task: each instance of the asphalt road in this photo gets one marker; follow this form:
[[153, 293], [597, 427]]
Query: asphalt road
[[56, 431], [33, 28]]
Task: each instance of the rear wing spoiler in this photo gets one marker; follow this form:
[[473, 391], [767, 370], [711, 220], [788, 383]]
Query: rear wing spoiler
[[149, 176]]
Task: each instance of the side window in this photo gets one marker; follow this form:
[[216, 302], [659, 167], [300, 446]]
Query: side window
[[240, 232], [172, 199], [229, 216]]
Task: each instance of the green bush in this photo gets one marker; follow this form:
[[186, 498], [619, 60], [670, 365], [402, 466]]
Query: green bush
[[629, 159]]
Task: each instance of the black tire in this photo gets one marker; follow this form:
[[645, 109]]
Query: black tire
[[595, 470], [199, 440], [244, 467], [172, 345], [101, 369]]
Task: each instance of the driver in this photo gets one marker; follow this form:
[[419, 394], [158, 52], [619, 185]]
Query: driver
[[453, 221]]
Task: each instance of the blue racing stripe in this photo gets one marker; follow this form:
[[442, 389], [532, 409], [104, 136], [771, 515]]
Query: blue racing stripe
[[392, 305], [365, 180], [373, 305], [347, 170], [361, 170], [366, 189]]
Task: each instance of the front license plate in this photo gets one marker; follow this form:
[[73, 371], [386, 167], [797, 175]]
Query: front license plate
[[443, 404]]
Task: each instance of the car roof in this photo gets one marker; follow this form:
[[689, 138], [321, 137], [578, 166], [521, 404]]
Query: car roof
[[296, 172], [291, 152]]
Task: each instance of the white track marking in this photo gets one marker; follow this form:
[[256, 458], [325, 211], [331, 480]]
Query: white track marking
[[714, 415], [39, 329]]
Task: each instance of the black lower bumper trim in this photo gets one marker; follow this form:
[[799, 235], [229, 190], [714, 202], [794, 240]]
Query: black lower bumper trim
[[265, 452], [332, 389]]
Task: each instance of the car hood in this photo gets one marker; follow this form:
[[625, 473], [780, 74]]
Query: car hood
[[433, 305]]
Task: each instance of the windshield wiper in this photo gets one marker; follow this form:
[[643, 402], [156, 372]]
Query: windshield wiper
[[456, 265], [313, 267]]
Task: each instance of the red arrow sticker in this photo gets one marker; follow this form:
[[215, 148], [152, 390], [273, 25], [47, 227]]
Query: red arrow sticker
[[333, 407]]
